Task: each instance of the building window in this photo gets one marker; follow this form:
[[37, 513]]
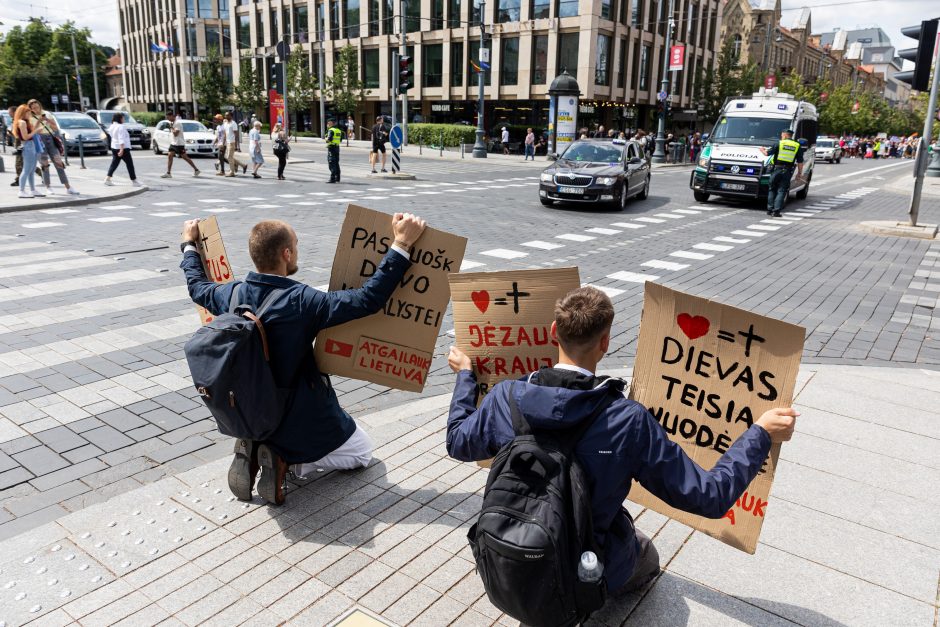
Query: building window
[[275, 29], [663, 18], [212, 39], [259, 29], [509, 61], [374, 18], [605, 9], [692, 32], [191, 39], [321, 26], [509, 11], [475, 15], [388, 17], [432, 65], [540, 59], [301, 24], [622, 69], [227, 73], [736, 51], [567, 8], [645, 68], [453, 16], [244, 31], [540, 9], [190, 8], [651, 16], [412, 16], [602, 61], [473, 58], [437, 14], [334, 19], [456, 63], [223, 11], [636, 12], [205, 8], [370, 68], [351, 19], [226, 41], [568, 53]]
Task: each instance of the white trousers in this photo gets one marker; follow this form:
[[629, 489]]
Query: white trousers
[[356, 452]]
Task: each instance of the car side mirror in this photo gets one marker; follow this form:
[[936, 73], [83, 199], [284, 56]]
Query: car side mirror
[[635, 161], [553, 156]]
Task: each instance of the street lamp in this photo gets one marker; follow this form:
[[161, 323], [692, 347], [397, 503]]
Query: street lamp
[[479, 148], [659, 155]]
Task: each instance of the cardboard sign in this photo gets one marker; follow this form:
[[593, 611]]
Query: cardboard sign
[[706, 372], [393, 347], [503, 320], [215, 260]]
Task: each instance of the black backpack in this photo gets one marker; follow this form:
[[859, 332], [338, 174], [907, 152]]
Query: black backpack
[[535, 523], [229, 363]]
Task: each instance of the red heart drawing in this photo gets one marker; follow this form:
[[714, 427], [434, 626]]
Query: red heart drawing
[[692, 326], [481, 299]]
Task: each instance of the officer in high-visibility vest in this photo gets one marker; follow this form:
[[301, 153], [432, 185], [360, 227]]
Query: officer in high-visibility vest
[[783, 157], [334, 138]]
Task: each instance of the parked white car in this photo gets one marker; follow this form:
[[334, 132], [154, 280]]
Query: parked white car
[[199, 139]]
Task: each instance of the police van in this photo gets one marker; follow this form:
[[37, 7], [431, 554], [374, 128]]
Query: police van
[[731, 163]]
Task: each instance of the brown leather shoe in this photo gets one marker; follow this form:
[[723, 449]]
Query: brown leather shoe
[[273, 473], [244, 469]]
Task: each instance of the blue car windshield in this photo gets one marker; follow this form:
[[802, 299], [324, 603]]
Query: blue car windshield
[[594, 152]]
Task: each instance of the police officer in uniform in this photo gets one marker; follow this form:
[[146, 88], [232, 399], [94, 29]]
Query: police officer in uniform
[[783, 157], [334, 138]]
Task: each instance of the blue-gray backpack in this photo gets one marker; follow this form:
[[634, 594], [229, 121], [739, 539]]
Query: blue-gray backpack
[[534, 524], [230, 365]]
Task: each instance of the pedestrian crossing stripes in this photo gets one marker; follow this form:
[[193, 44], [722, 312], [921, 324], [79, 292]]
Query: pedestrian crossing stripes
[[685, 254], [542, 245], [574, 237], [504, 253], [32, 258], [61, 286], [664, 265], [632, 277]]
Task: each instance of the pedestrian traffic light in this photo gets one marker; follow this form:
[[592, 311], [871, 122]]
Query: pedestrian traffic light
[[277, 78], [405, 74], [922, 55]]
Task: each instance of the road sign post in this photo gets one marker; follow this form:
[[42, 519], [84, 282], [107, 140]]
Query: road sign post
[[396, 137]]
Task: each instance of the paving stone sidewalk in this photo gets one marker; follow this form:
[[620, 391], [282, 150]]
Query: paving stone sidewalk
[[850, 536]]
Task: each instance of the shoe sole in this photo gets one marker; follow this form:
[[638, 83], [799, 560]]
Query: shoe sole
[[267, 483], [239, 473]]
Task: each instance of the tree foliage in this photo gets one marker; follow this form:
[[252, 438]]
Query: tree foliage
[[248, 94], [301, 84], [210, 86], [36, 61], [726, 79], [344, 87]]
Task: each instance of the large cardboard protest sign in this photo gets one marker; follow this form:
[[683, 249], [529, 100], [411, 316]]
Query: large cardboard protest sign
[[706, 372], [393, 347], [214, 259], [503, 320]]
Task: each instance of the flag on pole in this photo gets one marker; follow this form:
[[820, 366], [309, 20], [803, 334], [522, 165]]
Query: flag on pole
[[480, 68], [162, 46]]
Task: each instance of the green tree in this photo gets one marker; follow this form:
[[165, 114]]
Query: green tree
[[344, 87], [727, 78], [301, 84], [210, 86], [249, 92]]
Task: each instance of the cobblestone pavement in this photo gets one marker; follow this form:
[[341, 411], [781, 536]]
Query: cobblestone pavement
[[849, 537], [95, 398]]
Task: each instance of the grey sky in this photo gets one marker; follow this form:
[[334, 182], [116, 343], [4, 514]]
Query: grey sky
[[101, 15]]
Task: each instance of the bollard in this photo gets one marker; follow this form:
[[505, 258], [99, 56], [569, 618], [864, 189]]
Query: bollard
[[442, 143], [81, 150], [461, 149], [3, 167], [420, 146]]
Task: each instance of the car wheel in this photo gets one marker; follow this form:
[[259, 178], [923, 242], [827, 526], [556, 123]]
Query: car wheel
[[645, 192], [144, 146], [803, 193], [700, 196], [546, 202], [624, 196], [156, 149], [839, 160]]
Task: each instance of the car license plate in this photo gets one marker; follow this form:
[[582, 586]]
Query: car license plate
[[737, 187], [570, 190]]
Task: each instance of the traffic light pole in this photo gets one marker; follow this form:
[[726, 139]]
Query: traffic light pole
[[286, 41], [402, 53], [920, 163], [395, 65], [659, 155], [479, 147]]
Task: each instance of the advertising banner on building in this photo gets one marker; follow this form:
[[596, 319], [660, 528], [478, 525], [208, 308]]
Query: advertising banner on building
[[393, 347], [707, 372]]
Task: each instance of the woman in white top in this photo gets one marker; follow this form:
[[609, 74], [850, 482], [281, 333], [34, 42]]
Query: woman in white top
[[254, 148], [120, 149]]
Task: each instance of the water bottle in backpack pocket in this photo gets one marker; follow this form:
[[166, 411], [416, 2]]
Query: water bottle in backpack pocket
[[229, 362]]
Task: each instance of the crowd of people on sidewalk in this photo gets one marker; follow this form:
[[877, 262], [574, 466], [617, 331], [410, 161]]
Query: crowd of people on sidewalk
[[37, 146], [880, 147]]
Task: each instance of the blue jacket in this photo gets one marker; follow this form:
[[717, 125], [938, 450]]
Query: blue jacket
[[624, 443], [314, 424]]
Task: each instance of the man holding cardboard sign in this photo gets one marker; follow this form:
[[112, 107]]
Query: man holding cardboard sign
[[314, 431], [623, 443]]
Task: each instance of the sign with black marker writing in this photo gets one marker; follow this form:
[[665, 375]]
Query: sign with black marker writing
[[393, 347], [706, 372]]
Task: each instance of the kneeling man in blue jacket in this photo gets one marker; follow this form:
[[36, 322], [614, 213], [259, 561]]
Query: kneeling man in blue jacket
[[315, 432], [624, 443]]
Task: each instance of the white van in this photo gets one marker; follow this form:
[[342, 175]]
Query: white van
[[731, 163]]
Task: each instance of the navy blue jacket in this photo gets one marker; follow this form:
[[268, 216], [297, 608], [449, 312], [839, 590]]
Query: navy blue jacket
[[624, 443], [314, 423]]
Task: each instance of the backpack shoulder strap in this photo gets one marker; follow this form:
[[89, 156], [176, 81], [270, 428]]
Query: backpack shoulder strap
[[233, 301], [268, 301], [519, 424]]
